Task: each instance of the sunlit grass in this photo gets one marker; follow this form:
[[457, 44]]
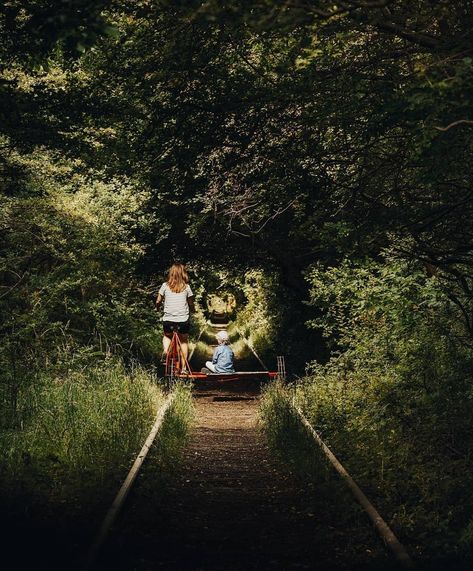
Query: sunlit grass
[[169, 444], [79, 429], [329, 498]]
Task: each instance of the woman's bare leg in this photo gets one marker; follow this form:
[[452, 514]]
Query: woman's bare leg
[[184, 339], [166, 343]]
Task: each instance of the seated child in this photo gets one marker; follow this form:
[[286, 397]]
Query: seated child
[[222, 361]]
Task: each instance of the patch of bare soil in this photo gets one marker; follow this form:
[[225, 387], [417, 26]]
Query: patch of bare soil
[[230, 506]]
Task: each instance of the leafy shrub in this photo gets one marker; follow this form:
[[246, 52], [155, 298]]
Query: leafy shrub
[[174, 432], [395, 400], [259, 317], [68, 258]]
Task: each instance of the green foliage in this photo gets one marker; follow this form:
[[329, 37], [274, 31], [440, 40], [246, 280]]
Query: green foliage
[[261, 138], [260, 316], [329, 496], [37, 28], [68, 259], [287, 436], [173, 434], [395, 401]]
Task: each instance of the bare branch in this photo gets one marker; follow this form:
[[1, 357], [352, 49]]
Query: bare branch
[[423, 40], [276, 214], [454, 124], [349, 7], [4, 294]]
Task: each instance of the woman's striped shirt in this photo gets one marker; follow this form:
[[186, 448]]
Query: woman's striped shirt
[[176, 307]]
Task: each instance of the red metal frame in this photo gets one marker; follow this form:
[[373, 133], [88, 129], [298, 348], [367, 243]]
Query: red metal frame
[[175, 360]]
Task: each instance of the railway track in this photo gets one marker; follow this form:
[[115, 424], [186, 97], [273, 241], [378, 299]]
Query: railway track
[[231, 506]]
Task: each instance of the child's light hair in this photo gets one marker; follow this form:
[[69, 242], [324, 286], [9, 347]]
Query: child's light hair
[[222, 336]]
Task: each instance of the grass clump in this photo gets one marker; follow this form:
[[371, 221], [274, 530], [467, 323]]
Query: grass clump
[[175, 429], [345, 527], [77, 429], [166, 452], [286, 435]]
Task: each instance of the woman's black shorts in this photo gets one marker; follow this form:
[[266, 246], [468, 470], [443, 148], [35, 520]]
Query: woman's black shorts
[[179, 326]]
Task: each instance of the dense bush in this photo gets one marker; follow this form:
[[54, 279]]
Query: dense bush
[[260, 316], [68, 257], [72, 308], [395, 401]]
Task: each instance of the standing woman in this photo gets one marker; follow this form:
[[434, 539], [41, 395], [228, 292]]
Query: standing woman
[[178, 304]]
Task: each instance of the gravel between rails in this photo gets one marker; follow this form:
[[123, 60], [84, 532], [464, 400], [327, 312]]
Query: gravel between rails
[[229, 506]]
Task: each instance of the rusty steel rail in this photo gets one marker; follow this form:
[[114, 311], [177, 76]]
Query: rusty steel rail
[[252, 349], [120, 498], [385, 532]]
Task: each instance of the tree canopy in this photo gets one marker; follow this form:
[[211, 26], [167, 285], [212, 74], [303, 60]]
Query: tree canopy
[[300, 129]]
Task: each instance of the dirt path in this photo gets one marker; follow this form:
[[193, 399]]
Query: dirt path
[[229, 507]]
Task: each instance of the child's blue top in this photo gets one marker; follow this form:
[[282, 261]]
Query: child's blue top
[[223, 359]]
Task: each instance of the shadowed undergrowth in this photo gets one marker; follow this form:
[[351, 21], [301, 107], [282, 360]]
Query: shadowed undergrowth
[[61, 470], [344, 528], [292, 444], [79, 432]]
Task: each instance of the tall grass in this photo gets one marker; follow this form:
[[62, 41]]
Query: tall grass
[[77, 429], [414, 493], [346, 529], [169, 444], [287, 437]]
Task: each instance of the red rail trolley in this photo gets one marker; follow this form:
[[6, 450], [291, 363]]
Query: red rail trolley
[[178, 367]]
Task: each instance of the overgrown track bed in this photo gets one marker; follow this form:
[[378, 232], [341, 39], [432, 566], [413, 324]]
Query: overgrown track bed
[[231, 506]]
